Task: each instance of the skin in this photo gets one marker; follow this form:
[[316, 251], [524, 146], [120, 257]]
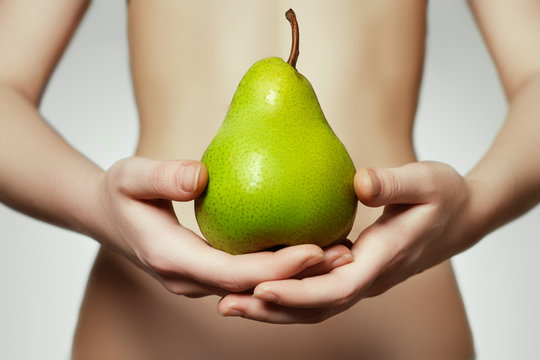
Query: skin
[[436, 211], [445, 213]]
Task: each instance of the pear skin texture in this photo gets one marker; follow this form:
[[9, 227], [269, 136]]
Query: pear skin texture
[[278, 175]]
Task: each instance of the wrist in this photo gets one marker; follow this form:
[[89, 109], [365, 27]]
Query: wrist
[[485, 206], [87, 211]]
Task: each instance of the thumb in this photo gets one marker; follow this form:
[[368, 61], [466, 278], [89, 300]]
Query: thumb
[[178, 180], [408, 184]]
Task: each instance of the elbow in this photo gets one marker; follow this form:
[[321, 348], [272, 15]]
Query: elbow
[[32, 95], [527, 83]]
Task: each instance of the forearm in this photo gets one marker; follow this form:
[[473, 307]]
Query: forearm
[[43, 176], [506, 181]]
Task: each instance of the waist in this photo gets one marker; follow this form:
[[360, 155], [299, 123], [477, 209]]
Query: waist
[[370, 143]]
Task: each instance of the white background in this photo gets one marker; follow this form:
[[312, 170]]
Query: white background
[[43, 269]]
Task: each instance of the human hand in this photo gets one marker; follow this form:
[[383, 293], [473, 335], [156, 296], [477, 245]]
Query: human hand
[[136, 219], [428, 217]]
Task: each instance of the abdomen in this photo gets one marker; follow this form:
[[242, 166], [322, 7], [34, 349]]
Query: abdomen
[[364, 60]]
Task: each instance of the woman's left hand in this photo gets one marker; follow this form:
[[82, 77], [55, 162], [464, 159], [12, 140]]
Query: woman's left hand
[[429, 216]]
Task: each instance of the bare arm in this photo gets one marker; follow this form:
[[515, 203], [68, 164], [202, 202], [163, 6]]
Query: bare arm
[[508, 177], [41, 174], [444, 213], [46, 178]]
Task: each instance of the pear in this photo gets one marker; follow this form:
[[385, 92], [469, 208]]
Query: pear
[[278, 175]]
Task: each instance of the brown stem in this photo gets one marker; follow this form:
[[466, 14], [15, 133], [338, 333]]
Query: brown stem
[[291, 16]]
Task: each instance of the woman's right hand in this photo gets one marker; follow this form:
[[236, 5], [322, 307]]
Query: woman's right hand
[[136, 219]]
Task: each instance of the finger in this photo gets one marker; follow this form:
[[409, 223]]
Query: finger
[[336, 256], [179, 180], [189, 288], [249, 307], [328, 289], [409, 184], [187, 255], [341, 286], [238, 273]]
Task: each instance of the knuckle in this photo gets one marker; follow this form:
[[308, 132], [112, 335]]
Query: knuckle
[[119, 166], [179, 287], [159, 178], [232, 284], [345, 297], [430, 175], [158, 263], [227, 284], [173, 287], [120, 175], [390, 186], [433, 180], [439, 175], [229, 279]]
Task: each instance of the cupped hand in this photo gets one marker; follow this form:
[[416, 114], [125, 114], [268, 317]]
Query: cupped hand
[[428, 217], [136, 219]]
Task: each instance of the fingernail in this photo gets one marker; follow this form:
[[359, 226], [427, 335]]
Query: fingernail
[[373, 181], [342, 260], [314, 260], [266, 296], [189, 177], [232, 312]]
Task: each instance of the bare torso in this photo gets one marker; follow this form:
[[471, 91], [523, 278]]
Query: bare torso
[[364, 60]]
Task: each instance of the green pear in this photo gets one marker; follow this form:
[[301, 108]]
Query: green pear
[[278, 175]]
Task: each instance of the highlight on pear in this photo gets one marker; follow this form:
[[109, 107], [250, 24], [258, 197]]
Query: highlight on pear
[[278, 175]]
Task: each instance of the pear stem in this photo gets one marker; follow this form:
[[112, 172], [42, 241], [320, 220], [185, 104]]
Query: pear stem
[[293, 57]]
